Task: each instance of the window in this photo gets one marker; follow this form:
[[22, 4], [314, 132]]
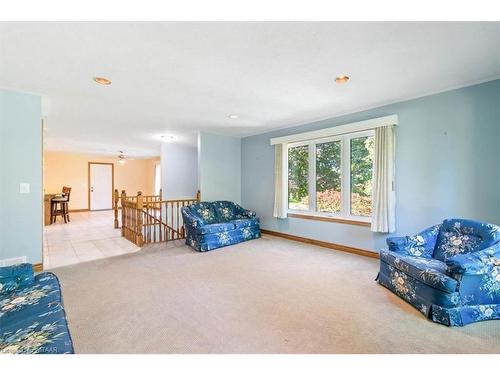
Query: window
[[328, 177], [298, 180], [361, 156], [332, 176]]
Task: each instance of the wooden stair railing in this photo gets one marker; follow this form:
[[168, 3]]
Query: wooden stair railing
[[117, 198], [149, 219]]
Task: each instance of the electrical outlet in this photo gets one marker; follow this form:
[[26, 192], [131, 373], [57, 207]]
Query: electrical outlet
[[24, 188]]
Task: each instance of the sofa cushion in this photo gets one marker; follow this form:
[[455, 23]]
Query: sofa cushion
[[242, 223], [27, 301], [459, 236], [206, 212], [226, 211], [14, 277], [416, 292], [33, 320], [427, 270], [215, 228]]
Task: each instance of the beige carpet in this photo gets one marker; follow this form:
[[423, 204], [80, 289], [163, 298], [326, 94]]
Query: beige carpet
[[263, 296]]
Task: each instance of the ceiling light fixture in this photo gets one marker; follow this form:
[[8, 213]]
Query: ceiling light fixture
[[342, 79], [233, 116], [121, 158], [167, 138], [102, 81]]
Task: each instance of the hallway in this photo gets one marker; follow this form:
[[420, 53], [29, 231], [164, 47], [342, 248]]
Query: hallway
[[89, 236]]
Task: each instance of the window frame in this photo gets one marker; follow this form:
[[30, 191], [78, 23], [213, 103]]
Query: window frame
[[345, 182]]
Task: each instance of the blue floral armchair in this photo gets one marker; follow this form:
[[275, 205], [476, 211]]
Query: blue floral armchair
[[450, 272], [210, 225], [32, 317]]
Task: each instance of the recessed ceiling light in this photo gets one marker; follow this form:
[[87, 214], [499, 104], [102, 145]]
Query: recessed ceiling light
[[233, 116], [167, 138], [342, 79], [102, 81]]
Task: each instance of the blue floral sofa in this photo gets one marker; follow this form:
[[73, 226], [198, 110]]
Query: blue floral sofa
[[210, 225], [450, 272], [32, 317]]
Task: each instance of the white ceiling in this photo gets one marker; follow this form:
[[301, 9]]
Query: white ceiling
[[179, 78]]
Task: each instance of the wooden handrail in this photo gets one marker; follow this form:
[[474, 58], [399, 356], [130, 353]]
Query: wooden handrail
[[150, 219]]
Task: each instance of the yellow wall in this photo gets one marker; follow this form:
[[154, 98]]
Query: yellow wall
[[71, 169]]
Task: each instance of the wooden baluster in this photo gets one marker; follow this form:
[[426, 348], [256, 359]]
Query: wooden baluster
[[182, 225], [167, 222], [161, 220], [146, 222], [152, 222], [139, 206], [123, 213], [172, 219], [115, 207], [176, 227]]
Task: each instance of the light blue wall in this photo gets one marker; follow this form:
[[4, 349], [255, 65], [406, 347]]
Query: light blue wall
[[447, 165], [20, 161], [179, 171], [219, 166]]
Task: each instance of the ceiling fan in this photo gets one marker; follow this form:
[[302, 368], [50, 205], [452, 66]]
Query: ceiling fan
[[122, 159]]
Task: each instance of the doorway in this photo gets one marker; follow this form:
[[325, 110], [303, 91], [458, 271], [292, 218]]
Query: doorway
[[101, 185]]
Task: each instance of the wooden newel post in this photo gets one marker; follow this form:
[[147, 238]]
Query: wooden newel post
[[124, 222], [140, 239], [198, 196], [161, 192], [116, 197]]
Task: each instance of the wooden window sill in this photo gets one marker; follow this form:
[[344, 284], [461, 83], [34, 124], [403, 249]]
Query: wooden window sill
[[331, 219]]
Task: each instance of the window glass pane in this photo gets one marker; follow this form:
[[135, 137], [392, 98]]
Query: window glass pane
[[361, 175], [298, 178], [328, 172]]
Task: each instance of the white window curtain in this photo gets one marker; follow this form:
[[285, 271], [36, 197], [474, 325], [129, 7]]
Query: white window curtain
[[383, 195], [279, 180]]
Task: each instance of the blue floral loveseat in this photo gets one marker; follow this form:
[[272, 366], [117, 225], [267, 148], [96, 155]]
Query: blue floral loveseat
[[210, 225], [32, 317], [450, 272]]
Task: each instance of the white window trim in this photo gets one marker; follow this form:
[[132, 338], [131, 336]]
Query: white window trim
[[319, 136], [338, 130]]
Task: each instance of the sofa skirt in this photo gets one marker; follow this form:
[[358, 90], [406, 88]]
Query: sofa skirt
[[211, 241], [439, 306]]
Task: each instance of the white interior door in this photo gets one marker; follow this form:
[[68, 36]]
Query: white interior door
[[101, 186]]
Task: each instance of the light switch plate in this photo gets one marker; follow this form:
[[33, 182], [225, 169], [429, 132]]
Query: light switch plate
[[24, 188]]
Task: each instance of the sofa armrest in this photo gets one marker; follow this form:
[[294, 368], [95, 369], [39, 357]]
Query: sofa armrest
[[244, 212], [249, 213], [476, 263], [420, 245], [397, 244], [14, 277], [191, 219]]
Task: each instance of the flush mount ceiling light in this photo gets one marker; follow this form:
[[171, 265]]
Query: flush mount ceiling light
[[102, 81], [342, 79], [167, 138], [233, 116]]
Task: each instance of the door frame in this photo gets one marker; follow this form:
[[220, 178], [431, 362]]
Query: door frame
[[112, 183]]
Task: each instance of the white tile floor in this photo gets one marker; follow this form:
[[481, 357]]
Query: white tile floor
[[89, 236]]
